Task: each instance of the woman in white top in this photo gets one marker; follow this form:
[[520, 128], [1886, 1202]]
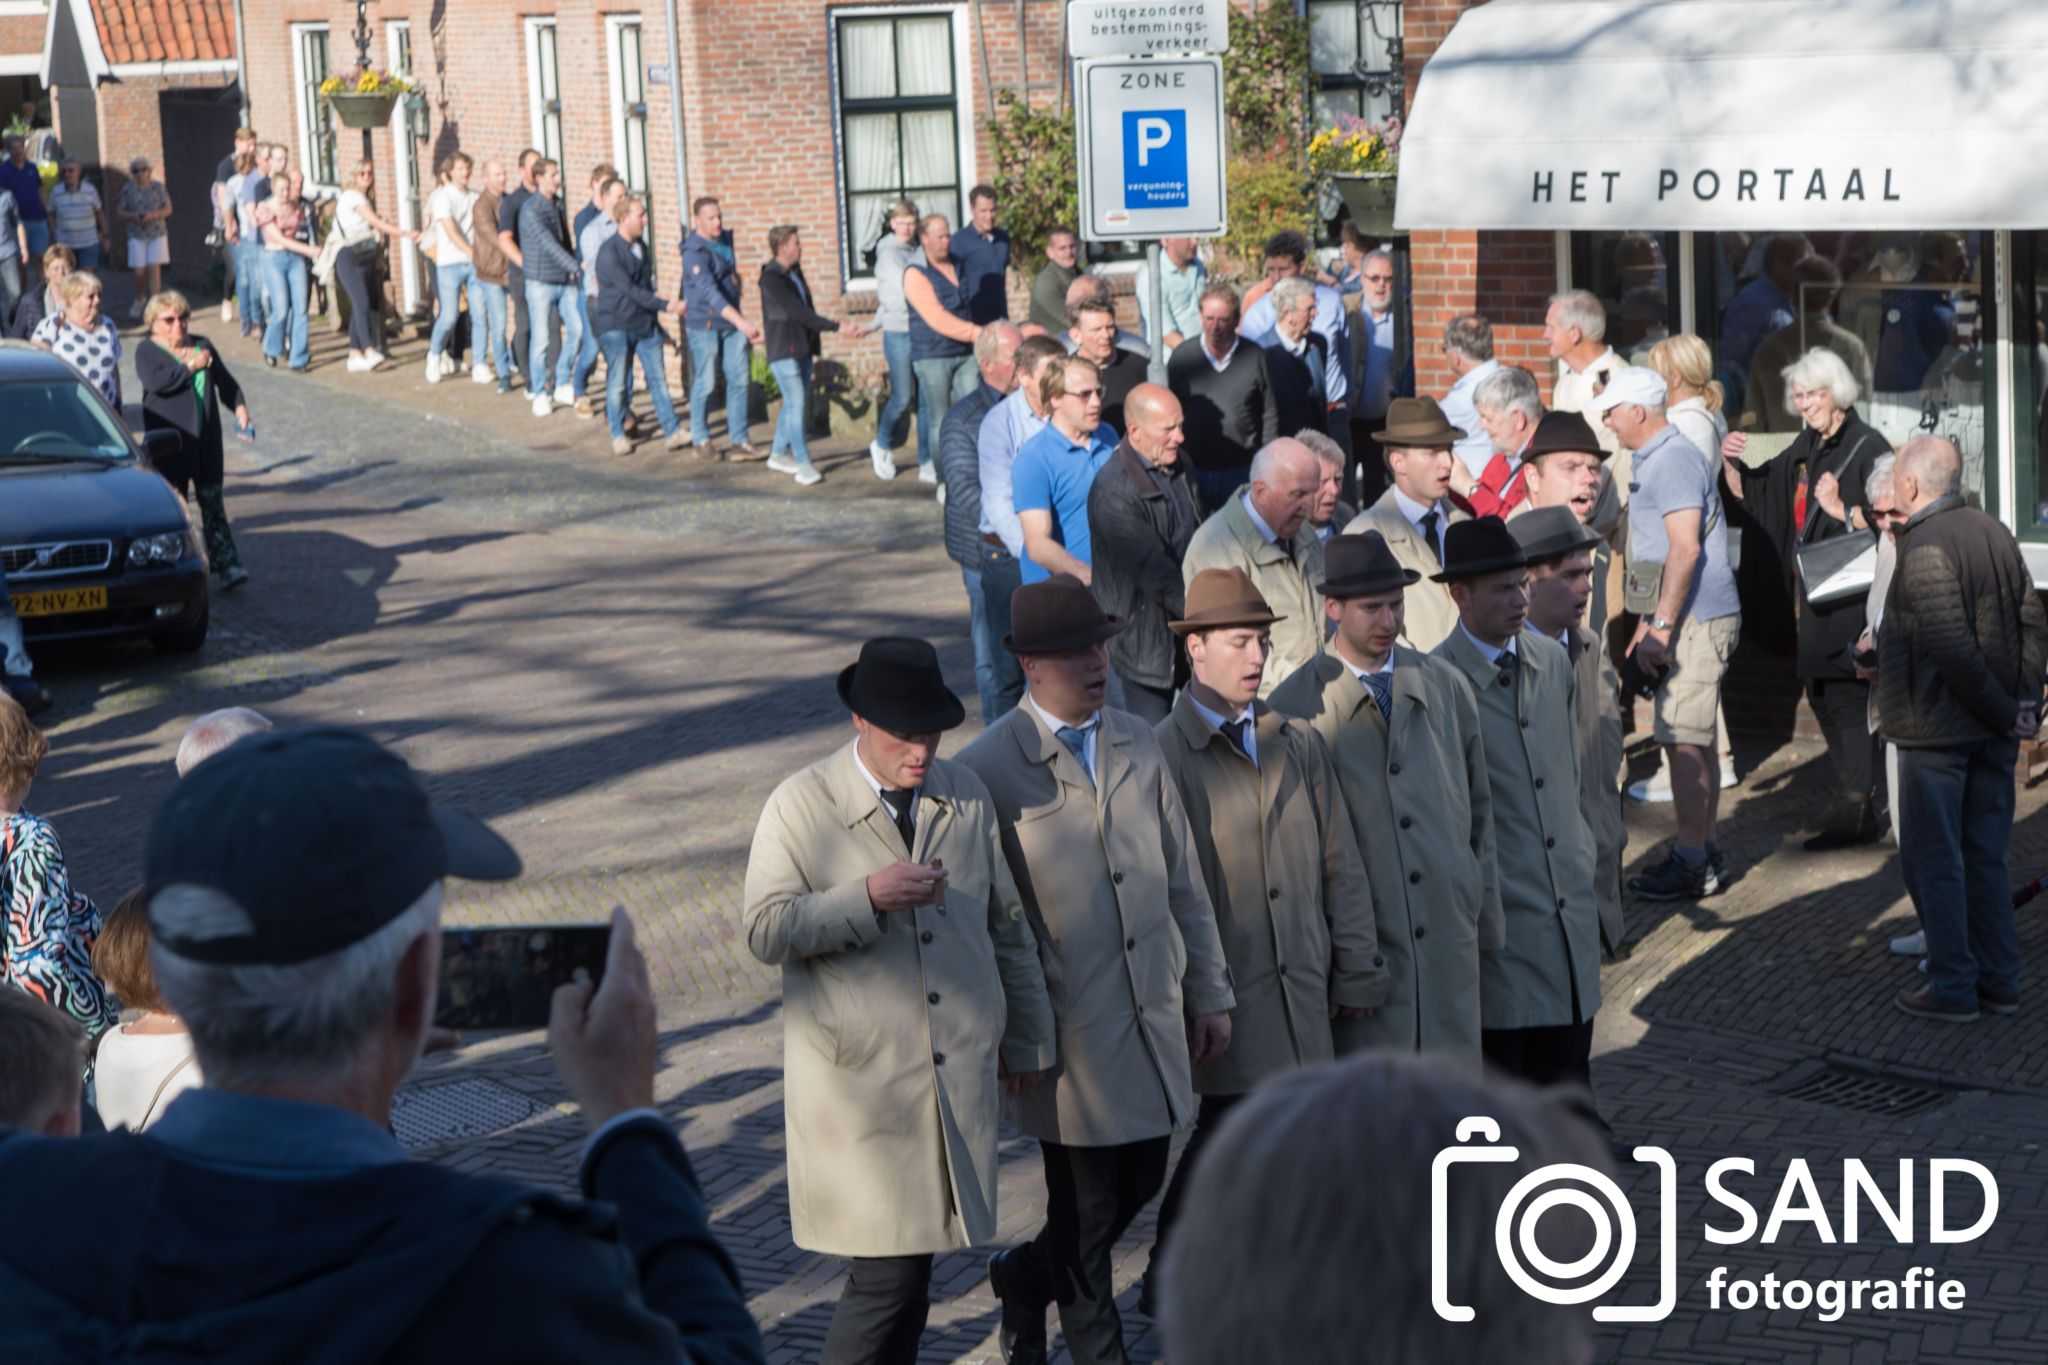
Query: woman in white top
[[449, 226], [358, 227], [142, 1064]]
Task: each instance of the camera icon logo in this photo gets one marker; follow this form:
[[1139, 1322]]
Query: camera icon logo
[[1580, 1187]]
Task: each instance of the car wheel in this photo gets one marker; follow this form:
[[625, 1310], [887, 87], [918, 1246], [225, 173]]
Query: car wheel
[[183, 640]]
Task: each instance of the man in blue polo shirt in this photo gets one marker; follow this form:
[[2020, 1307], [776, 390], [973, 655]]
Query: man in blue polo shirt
[[1055, 469], [983, 252]]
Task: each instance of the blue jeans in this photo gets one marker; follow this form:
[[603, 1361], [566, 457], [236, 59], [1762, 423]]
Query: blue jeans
[[562, 298], [902, 391], [448, 282], [708, 346], [1957, 805], [288, 274], [620, 350], [38, 230], [88, 256], [936, 381], [999, 577], [490, 300], [586, 354], [249, 282], [793, 377]]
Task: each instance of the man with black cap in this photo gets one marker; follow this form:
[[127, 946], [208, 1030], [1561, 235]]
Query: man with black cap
[[1094, 833], [1560, 550], [1403, 734], [1278, 858], [1565, 466], [1538, 993], [910, 983], [1415, 513], [294, 888]]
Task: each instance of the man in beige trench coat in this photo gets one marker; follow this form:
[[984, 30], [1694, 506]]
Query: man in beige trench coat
[[910, 982], [1403, 734], [1264, 531], [1277, 855], [1101, 850], [1416, 512], [1538, 993]]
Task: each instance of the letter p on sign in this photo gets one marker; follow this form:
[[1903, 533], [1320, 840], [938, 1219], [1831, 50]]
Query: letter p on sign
[[1155, 159]]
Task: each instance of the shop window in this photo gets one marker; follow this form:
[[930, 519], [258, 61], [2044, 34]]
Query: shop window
[[897, 92], [1354, 50], [1635, 276], [2030, 399], [316, 135]]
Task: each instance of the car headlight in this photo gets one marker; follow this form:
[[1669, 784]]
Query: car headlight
[[147, 551]]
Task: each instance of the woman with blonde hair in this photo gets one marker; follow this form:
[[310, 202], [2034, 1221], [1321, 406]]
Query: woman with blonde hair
[[185, 384], [358, 234], [85, 336]]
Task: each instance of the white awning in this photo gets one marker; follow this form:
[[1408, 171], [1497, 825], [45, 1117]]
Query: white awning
[[1717, 114]]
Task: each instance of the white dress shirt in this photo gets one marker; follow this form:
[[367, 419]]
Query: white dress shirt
[[876, 783], [1088, 728]]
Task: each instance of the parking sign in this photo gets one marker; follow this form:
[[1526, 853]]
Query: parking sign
[[1150, 144]]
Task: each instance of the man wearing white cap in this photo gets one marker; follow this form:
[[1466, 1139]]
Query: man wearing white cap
[[1679, 583]]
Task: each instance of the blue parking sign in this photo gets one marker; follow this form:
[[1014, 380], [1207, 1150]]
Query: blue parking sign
[[1155, 159]]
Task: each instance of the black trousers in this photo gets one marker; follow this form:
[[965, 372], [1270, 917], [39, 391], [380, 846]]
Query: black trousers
[[1149, 704], [1091, 1196], [881, 1312], [1841, 706], [1560, 1054], [355, 269], [1207, 1118]]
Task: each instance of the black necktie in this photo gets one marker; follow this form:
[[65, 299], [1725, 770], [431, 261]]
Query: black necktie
[[1507, 662], [899, 803], [1285, 544], [1429, 534], [1233, 730]]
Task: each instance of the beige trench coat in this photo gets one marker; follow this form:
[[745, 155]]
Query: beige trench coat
[[891, 1021], [1540, 837], [1596, 712], [1417, 794], [1129, 943], [1283, 873], [1430, 611], [1230, 540]]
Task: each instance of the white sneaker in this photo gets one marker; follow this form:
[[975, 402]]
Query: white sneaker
[[227, 310], [1923, 966], [783, 463], [884, 460], [1651, 791], [447, 363], [1728, 774], [942, 495], [435, 369], [1910, 945], [928, 473], [541, 406], [375, 358], [482, 374], [808, 475], [564, 396], [359, 364]]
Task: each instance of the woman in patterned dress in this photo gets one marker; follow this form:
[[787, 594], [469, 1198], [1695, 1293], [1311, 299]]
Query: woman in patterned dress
[[50, 928], [145, 207], [85, 336], [185, 384]]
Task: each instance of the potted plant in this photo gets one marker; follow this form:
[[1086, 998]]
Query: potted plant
[[1358, 161], [363, 98]]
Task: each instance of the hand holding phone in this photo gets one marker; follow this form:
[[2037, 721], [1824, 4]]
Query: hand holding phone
[[506, 977], [906, 886], [603, 1036]]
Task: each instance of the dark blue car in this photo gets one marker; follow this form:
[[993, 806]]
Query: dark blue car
[[93, 542]]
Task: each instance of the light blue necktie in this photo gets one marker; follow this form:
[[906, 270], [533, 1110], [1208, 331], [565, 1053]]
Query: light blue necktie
[[1077, 742]]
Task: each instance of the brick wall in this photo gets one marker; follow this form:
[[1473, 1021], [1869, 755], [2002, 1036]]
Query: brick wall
[[19, 35], [131, 125]]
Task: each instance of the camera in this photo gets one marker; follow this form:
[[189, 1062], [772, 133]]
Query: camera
[[1591, 1192]]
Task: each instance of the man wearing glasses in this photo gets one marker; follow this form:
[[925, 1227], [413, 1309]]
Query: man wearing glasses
[[1055, 469]]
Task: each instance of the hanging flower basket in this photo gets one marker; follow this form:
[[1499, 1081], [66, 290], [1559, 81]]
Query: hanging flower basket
[[363, 111], [1370, 197], [1359, 160]]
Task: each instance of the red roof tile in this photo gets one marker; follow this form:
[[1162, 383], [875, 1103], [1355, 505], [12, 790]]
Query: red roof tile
[[164, 30]]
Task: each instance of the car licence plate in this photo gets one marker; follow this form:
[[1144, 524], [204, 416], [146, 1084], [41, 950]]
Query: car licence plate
[[60, 601]]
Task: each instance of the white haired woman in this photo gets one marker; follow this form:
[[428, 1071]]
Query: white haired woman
[[1815, 490]]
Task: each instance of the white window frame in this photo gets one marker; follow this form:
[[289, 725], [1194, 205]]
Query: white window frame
[[536, 102], [622, 123], [964, 120], [412, 289], [311, 113]]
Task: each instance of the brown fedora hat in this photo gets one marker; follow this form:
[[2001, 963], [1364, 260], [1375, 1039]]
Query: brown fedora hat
[[1058, 615], [1478, 547], [1223, 597], [1558, 432], [1361, 565], [1418, 422]]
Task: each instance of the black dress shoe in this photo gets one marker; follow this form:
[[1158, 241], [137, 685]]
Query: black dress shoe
[[1022, 1334], [30, 695]]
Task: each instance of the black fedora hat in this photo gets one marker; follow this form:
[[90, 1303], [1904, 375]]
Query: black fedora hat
[[896, 684], [1483, 545], [1058, 615], [1547, 532], [1362, 564], [1562, 431]]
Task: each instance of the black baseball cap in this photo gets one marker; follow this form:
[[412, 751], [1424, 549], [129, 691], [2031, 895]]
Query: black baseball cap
[[319, 834]]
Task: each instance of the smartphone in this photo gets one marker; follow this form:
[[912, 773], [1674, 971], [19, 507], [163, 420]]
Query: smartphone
[[505, 977]]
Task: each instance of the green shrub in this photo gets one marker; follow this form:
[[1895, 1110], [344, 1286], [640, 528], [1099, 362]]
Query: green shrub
[[1034, 175], [1266, 195]]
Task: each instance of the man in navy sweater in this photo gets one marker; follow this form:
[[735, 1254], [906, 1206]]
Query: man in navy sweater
[[627, 318]]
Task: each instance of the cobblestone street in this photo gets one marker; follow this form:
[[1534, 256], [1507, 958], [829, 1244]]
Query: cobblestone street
[[615, 659]]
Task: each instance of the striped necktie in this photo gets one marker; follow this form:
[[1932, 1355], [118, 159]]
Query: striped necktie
[[1381, 685]]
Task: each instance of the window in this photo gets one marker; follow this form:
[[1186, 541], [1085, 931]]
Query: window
[[1635, 275], [544, 88], [316, 132], [899, 123], [629, 103], [1354, 49]]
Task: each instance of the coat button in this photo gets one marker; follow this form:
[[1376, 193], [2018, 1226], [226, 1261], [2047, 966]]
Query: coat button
[[1539, 784], [851, 945], [933, 998], [1283, 972], [938, 1059], [925, 937], [1406, 822], [1560, 902], [1393, 770], [1130, 943], [1117, 877], [1379, 961], [1273, 894], [941, 909], [1141, 1011], [1414, 877], [1550, 843], [1420, 930]]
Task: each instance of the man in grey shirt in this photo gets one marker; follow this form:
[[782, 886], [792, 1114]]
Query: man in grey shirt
[[1675, 526]]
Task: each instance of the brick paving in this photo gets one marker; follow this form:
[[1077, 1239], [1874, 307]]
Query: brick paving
[[615, 660]]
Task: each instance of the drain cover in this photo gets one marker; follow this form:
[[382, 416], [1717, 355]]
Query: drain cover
[[436, 1114], [1867, 1093]]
